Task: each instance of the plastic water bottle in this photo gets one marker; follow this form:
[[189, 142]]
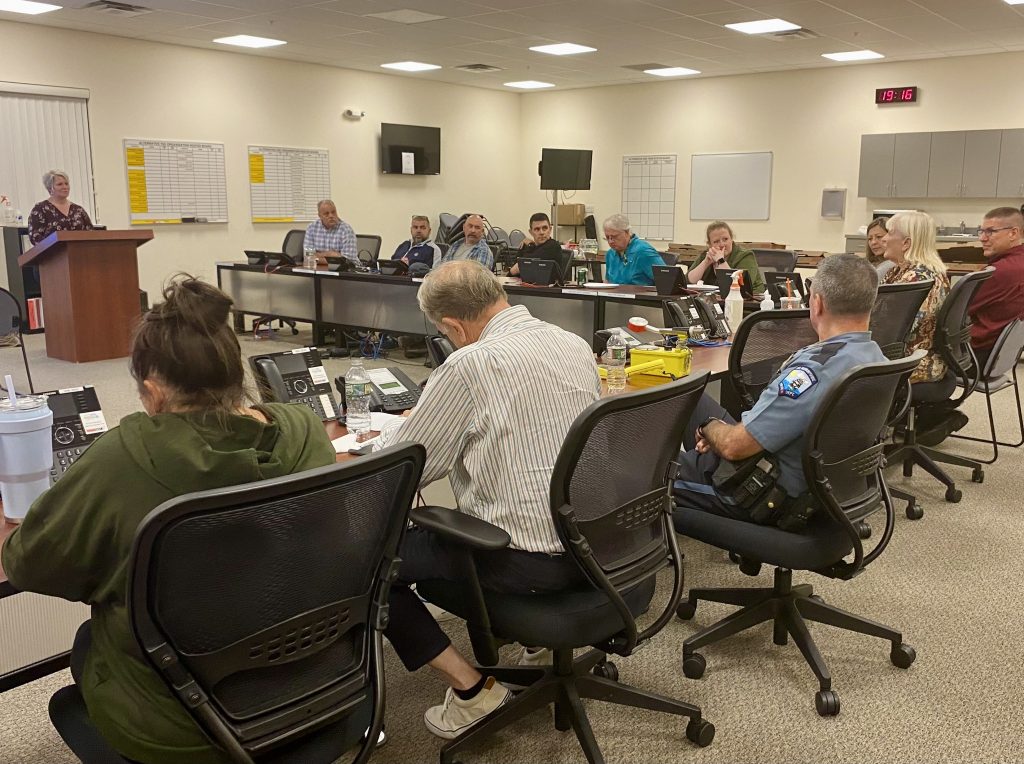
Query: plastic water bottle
[[309, 257], [767, 303], [734, 303], [615, 361], [357, 399]]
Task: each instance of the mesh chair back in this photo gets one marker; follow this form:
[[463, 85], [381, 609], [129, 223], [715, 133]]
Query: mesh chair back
[[894, 314], [264, 597], [843, 449], [368, 246], [445, 221], [781, 260], [590, 227], [1006, 352], [498, 234], [613, 474], [516, 238], [292, 244], [439, 347], [953, 328], [763, 342]]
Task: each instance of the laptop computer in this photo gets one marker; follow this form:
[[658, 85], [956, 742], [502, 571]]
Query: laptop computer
[[669, 279], [392, 267], [342, 264], [776, 283], [538, 271], [279, 259], [724, 277], [257, 257]]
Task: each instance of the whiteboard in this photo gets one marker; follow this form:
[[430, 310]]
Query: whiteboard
[[175, 182], [285, 184], [731, 186], [649, 195]]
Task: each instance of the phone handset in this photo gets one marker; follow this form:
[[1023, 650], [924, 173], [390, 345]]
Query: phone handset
[[269, 377]]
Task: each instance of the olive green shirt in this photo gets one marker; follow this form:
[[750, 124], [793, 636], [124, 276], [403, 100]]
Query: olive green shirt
[[743, 260], [77, 538]]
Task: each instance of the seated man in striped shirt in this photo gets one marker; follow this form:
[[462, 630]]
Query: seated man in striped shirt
[[492, 420], [329, 235]]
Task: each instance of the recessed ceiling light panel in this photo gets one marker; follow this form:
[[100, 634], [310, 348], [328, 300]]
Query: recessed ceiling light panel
[[671, 71], [765, 26], [410, 66], [852, 55], [406, 16], [249, 41], [562, 49], [27, 7], [529, 85]]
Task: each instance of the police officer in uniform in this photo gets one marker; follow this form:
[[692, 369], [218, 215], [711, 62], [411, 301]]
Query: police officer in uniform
[[842, 295]]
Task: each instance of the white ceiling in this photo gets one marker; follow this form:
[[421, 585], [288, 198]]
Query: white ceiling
[[686, 33]]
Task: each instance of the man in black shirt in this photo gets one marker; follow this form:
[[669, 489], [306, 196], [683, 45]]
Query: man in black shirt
[[542, 246]]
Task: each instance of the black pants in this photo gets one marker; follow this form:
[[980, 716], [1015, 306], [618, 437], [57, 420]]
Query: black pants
[[982, 356], [415, 634], [693, 487]]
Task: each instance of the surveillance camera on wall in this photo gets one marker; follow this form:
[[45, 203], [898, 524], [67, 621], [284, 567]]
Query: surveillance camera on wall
[[353, 114]]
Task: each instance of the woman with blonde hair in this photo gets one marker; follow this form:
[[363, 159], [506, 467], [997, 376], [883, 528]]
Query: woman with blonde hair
[[910, 246], [57, 212]]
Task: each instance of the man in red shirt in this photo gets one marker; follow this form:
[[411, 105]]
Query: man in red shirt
[[1000, 299]]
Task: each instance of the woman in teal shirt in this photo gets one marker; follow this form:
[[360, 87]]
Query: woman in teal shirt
[[629, 259]]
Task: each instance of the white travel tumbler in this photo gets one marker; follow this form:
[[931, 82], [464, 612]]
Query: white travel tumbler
[[26, 452]]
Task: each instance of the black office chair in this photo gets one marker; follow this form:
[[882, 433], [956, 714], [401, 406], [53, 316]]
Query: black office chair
[[616, 524], [1000, 373], [842, 461], [439, 348], [445, 224], [368, 247], [498, 234], [894, 314], [262, 606], [760, 345], [293, 243], [11, 323], [782, 260], [590, 227], [516, 238], [952, 340], [669, 257]]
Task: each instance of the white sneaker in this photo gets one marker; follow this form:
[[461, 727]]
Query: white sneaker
[[535, 658], [455, 716]]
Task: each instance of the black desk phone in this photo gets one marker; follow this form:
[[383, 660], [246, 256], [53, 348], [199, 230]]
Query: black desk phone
[[391, 390], [295, 376], [280, 260], [702, 318], [77, 422]]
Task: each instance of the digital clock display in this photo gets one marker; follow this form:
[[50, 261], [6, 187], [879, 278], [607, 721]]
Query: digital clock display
[[896, 95]]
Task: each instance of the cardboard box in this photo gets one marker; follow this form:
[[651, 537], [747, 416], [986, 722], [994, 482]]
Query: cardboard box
[[569, 214]]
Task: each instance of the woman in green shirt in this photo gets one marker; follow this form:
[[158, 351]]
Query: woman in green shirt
[[198, 432], [723, 252]]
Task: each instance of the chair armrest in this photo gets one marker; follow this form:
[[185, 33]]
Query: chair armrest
[[461, 528]]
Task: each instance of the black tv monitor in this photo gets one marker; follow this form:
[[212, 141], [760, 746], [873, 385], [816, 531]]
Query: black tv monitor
[[422, 143], [565, 169]]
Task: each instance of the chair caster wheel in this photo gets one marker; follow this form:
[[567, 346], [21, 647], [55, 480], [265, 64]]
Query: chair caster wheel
[[826, 702], [815, 597], [863, 529], [915, 511], [686, 610], [701, 732], [694, 665], [902, 655], [978, 476], [750, 567], [735, 558], [606, 670], [953, 495]]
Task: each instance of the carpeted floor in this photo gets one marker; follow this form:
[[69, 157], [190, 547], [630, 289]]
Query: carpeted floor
[[951, 581]]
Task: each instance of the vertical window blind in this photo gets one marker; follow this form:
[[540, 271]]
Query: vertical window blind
[[44, 128]]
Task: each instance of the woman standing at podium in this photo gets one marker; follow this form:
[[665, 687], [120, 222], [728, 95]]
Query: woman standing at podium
[[58, 213]]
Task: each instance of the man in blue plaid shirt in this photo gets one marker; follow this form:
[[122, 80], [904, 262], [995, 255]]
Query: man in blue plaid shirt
[[472, 246], [330, 235]]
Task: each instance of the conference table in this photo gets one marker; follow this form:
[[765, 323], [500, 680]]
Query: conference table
[[388, 303]]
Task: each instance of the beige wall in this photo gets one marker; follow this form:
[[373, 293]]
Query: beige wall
[[150, 90], [811, 119]]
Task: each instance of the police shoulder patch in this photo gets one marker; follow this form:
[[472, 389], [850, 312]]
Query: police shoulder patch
[[797, 381]]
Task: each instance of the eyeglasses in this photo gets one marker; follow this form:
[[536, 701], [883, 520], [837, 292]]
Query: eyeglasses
[[990, 231]]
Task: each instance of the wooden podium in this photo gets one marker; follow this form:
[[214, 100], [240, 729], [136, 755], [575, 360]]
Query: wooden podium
[[90, 286]]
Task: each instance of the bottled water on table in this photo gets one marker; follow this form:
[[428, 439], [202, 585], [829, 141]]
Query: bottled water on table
[[357, 399], [615, 362]]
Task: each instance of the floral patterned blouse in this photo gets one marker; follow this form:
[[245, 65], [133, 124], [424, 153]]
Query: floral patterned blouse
[[932, 368], [45, 218]]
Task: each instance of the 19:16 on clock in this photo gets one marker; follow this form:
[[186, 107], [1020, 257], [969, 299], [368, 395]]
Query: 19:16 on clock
[[907, 94]]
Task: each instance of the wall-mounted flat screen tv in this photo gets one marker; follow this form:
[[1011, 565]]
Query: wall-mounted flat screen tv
[[565, 169], [410, 150]]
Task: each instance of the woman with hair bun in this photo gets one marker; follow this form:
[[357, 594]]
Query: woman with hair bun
[[198, 432]]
